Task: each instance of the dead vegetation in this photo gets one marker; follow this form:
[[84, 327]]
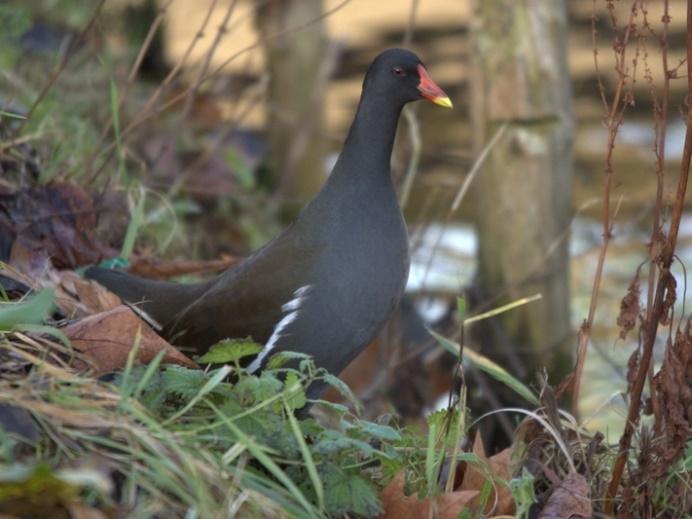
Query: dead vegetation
[[94, 447]]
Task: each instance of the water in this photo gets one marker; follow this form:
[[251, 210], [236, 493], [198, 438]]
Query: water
[[443, 262]]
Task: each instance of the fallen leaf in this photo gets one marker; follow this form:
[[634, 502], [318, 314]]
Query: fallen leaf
[[500, 500], [397, 505], [473, 475], [31, 259], [82, 511], [78, 297], [56, 221], [106, 339], [501, 468], [571, 499]]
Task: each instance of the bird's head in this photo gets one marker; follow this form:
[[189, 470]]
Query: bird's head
[[399, 74]]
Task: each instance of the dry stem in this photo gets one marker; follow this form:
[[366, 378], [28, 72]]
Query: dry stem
[[615, 114], [651, 325]]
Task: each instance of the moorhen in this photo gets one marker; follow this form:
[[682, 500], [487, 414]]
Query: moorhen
[[328, 283]]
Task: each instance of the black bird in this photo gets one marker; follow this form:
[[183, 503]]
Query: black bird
[[328, 283]]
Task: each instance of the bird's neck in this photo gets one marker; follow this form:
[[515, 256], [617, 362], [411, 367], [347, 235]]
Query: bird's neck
[[368, 147]]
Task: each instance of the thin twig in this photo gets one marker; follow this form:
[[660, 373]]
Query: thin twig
[[220, 33], [110, 150], [615, 114], [660, 125], [148, 113], [651, 325], [132, 76], [414, 134], [74, 45], [413, 161], [476, 167]]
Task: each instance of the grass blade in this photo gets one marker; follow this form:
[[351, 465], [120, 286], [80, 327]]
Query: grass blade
[[488, 366], [32, 310], [266, 461], [307, 457]]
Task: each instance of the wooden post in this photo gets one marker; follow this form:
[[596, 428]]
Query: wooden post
[[522, 195], [297, 64]]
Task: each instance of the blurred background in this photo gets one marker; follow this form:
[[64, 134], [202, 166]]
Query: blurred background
[[238, 109]]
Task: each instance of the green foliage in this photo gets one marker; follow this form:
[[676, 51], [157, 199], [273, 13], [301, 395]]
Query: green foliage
[[319, 468], [349, 492], [230, 350], [134, 225], [49, 491], [488, 366], [461, 308], [522, 492], [667, 492], [32, 310], [14, 21], [242, 172]]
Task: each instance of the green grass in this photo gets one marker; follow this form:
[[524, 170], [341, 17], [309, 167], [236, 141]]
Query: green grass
[[188, 441]]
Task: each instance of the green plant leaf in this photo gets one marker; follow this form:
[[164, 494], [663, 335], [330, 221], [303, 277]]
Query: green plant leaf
[[230, 350], [11, 115], [349, 493], [280, 359], [240, 169], [134, 225], [383, 432], [523, 493], [488, 366], [185, 382], [342, 388], [307, 457], [210, 384], [331, 441], [32, 310], [461, 308], [255, 389], [297, 399], [257, 451]]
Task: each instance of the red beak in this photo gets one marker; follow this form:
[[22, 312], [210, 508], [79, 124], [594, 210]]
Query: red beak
[[429, 89]]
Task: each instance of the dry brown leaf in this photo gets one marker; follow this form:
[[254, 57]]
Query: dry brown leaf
[[8, 271], [500, 500], [107, 338], [78, 297], [82, 511], [56, 221], [570, 500], [473, 474], [629, 308], [29, 258], [501, 467], [673, 395], [397, 505]]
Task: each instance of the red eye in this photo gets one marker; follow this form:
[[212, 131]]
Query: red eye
[[398, 71]]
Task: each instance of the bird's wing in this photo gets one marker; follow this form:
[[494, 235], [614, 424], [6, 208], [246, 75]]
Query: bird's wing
[[252, 299]]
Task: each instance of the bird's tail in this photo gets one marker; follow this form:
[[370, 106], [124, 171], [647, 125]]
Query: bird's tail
[[160, 300]]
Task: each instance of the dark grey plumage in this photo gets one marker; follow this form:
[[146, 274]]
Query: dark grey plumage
[[328, 283]]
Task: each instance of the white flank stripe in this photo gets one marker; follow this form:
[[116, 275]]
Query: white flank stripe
[[293, 306]]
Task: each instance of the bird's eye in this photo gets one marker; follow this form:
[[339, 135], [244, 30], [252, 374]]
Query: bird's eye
[[398, 71]]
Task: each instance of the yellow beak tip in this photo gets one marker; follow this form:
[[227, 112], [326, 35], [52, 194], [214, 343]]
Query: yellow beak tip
[[443, 101]]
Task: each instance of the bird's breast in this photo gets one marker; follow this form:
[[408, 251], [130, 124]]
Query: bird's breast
[[369, 261]]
